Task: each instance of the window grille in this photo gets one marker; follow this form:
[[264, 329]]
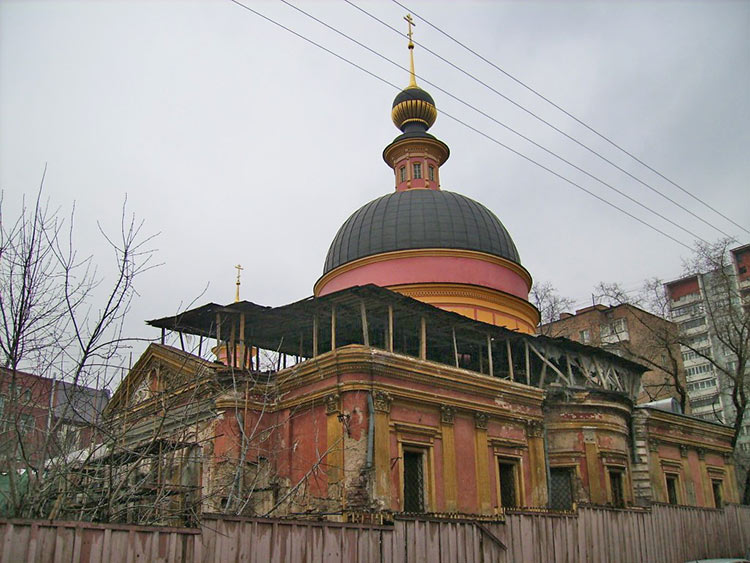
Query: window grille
[[508, 485], [561, 488], [615, 482], [413, 482]]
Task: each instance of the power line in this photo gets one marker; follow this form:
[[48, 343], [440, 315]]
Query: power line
[[512, 130], [577, 120], [544, 121], [489, 137]]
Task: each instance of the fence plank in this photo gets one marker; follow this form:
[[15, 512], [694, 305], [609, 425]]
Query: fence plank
[[661, 533]]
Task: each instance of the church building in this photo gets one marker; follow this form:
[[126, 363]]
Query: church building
[[412, 381]]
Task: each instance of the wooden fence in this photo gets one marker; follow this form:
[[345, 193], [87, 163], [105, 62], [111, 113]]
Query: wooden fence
[[598, 535]]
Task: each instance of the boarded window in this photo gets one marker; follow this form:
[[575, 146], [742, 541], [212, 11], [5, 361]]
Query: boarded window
[[413, 481], [561, 488], [508, 484]]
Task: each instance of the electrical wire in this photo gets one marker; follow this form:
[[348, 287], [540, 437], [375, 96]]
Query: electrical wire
[[577, 120], [512, 130], [489, 137]]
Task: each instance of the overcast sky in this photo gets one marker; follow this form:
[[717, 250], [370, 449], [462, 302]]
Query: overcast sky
[[241, 143]]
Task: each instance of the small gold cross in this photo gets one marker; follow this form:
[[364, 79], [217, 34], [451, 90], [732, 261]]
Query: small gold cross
[[237, 283], [410, 21]]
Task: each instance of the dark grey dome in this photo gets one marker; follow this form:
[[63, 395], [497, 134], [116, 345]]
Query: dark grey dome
[[419, 219]]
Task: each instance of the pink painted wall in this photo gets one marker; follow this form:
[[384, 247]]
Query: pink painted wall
[[431, 269]]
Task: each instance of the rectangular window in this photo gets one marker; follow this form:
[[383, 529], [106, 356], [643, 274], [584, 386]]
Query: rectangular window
[[402, 173], [716, 486], [26, 423], [431, 172], [696, 370], [417, 169], [413, 481], [585, 336], [508, 484], [672, 489], [694, 323], [561, 488], [615, 483]]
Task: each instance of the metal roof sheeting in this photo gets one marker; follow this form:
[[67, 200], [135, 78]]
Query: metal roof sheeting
[[415, 219]]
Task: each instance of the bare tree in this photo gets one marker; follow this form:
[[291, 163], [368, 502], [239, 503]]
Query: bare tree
[[724, 307], [58, 319], [549, 302], [659, 345]]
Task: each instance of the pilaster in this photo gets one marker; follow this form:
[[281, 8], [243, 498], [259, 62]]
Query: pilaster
[[335, 456], [537, 462], [593, 466], [450, 484], [481, 450], [382, 404]]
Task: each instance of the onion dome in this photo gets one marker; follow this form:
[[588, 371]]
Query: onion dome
[[413, 105], [420, 219]]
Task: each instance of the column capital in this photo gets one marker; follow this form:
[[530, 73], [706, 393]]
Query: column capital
[[333, 403], [382, 401], [447, 414], [534, 429], [480, 420]]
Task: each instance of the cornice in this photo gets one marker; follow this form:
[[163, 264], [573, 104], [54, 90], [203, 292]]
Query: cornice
[[404, 144], [448, 289], [690, 424], [357, 358], [422, 252], [690, 443]]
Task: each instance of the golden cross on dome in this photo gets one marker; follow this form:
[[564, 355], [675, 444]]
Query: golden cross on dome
[[412, 77], [410, 21], [237, 283]]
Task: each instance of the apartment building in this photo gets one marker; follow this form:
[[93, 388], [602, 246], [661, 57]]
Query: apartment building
[[635, 334], [709, 309]]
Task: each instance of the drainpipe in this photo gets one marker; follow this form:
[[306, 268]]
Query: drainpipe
[[370, 429]]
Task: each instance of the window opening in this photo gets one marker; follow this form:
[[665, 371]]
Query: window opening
[[417, 169], [615, 482], [561, 488], [508, 484], [672, 489], [431, 173], [716, 486], [402, 173], [413, 481]]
